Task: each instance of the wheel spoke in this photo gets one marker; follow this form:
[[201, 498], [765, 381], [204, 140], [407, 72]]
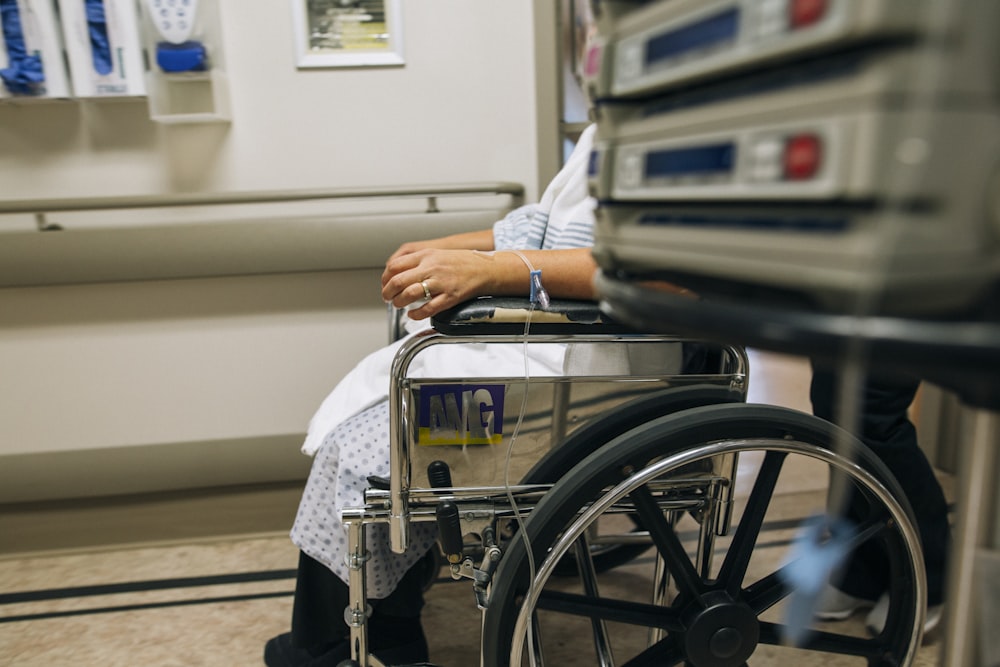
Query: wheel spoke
[[867, 531], [663, 653], [737, 560], [535, 635], [588, 579], [771, 589], [766, 592], [620, 611], [826, 642], [667, 543]]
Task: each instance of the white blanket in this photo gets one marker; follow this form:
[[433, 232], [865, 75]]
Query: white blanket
[[368, 382]]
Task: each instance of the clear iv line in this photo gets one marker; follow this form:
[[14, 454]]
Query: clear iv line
[[510, 449]]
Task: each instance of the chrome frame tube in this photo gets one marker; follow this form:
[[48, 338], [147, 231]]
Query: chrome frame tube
[[358, 611], [399, 427], [725, 467], [980, 464]]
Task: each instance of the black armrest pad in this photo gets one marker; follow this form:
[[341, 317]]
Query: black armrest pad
[[506, 315]]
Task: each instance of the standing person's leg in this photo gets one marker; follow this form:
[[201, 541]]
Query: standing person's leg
[[886, 429]]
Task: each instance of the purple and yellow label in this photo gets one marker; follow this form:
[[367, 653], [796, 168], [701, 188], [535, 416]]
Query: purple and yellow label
[[460, 414]]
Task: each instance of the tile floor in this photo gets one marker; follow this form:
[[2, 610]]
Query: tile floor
[[215, 602]]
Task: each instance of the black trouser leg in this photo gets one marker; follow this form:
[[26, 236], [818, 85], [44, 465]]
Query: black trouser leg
[[321, 598], [886, 429], [318, 607]]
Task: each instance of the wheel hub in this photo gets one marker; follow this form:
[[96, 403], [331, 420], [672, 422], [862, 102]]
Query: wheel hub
[[721, 632]]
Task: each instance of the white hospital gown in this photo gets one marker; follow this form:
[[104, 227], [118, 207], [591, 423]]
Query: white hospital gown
[[349, 434]]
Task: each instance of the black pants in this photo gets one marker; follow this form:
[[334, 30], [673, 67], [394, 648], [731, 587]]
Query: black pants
[[321, 598], [886, 429]]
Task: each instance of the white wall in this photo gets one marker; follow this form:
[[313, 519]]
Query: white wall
[[462, 108], [184, 380]]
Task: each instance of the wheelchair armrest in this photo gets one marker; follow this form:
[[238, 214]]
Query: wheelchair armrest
[[492, 315]]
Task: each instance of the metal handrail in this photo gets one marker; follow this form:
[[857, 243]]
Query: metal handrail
[[284, 242], [43, 206]]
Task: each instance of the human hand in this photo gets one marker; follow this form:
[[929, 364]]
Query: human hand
[[450, 277], [481, 239], [411, 247]]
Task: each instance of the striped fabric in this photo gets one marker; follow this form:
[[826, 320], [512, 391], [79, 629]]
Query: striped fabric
[[564, 218]]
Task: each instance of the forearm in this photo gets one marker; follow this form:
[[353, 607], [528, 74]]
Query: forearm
[[478, 240], [567, 274], [451, 276]]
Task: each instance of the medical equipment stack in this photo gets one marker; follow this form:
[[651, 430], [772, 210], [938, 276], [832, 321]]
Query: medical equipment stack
[[840, 155], [826, 175], [31, 56]]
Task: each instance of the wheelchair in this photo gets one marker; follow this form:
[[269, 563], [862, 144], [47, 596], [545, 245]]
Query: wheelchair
[[545, 489]]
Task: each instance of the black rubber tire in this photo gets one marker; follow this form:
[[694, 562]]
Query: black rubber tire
[[635, 450]]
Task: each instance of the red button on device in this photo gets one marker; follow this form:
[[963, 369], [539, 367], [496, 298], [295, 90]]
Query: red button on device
[[802, 13], [803, 154], [592, 63]]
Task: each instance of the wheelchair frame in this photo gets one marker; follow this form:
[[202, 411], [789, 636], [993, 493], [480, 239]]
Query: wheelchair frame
[[481, 506], [700, 484]]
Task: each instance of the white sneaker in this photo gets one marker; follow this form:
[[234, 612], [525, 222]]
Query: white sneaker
[[836, 605], [875, 621]]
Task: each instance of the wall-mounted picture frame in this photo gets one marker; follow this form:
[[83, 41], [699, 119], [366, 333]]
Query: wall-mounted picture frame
[[348, 33]]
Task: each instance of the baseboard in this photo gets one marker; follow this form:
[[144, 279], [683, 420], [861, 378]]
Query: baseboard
[[144, 469], [193, 515]]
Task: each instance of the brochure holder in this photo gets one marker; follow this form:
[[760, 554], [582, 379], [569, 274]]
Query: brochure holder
[[103, 47], [31, 56], [186, 80]]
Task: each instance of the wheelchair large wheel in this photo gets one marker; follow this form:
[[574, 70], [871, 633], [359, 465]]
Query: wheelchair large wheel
[[606, 552], [733, 612]]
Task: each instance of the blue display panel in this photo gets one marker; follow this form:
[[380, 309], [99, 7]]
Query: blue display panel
[[715, 29], [710, 159]]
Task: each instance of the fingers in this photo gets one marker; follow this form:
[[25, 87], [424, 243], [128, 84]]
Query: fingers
[[402, 288], [428, 309], [450, 276], [403, 275], [407, 286], [418, 306], [393, 275]]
